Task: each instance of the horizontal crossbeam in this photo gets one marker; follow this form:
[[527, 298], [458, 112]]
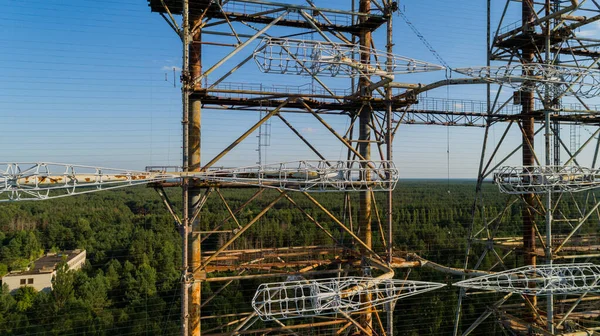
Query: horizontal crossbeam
[[39, 181]]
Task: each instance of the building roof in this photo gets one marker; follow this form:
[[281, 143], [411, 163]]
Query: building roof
[[47, 263]]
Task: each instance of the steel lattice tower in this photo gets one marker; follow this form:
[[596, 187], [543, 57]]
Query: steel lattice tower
[[345, 47], [346, 286], [537, 56]]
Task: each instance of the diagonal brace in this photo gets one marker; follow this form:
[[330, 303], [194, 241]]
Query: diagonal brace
[[576, 228], [161, 192], [243, 136], [240, 232], [240, 47], [341, 225]]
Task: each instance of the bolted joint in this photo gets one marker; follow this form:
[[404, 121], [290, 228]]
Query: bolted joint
[[187, 82]]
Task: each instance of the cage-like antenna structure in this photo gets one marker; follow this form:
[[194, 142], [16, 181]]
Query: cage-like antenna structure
[[542, 179], [313, 175], [540, 280], [567, 80], [301, 57], [39, 181], [309, 298]]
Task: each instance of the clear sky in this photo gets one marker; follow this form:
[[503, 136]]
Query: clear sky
[[91, 82]]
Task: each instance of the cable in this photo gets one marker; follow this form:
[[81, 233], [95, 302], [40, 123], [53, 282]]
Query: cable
[[424, 40]]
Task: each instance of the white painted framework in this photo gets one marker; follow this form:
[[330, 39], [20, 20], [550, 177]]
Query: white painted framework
[[540, 280], [39, 181], [309, 298], [564, 80], [313, 175], [543, 179], [303, 57]]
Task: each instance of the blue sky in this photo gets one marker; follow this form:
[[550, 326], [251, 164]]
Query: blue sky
[[84, 82]]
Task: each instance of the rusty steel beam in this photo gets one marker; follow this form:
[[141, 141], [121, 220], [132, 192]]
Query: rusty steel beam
[[301, 137], [240, 208], [366, 248], [193, 165], [231, 214], [294, 327], [243, 136], [195, 14], [364, 149], [218, 291], [312, 220], [167, 202], [528, 153], [185, 35], [240, 232]]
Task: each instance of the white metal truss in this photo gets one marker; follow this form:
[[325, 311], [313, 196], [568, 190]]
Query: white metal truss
[[39, 181], [300, 57], [567, 80], [541, 179], [540, 280], [313, 175], [308, 298]]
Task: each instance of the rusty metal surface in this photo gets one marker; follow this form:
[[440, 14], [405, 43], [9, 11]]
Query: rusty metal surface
[[259, 12]]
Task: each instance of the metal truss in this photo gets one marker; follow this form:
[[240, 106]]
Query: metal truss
[[446, 112], [545, 62], [39, 181], [565, 22], [302, 57], [565, 80], [312, 175], [374, 115], [298, 298], [543, 179], [259, 11], [540, 280]]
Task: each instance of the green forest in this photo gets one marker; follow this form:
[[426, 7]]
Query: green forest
[[130, 284]]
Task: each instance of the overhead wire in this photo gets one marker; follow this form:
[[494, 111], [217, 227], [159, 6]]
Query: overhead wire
[[420, 146]]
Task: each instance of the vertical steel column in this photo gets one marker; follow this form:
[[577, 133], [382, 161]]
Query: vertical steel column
[[185, 93], [194, 114], [389, 154], [389, 127], [365, 200], [527, 101], [548, 139], [548, 205], [191, 68], [555, 102]]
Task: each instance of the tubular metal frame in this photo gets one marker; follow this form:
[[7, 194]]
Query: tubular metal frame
[[298, 57], [566, 80], [367, 120], [298, 298], [313, 175], [568, 279], [543, 179], [201, 182], [39, 181], [545, 61]]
